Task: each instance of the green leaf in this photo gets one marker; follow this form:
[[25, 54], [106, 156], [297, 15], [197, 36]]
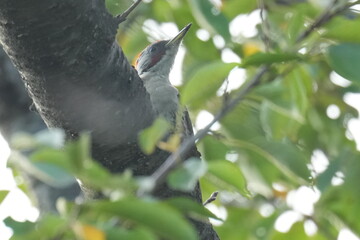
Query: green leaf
[[213, 148], [232, 8], [342, 201], [344, 59], [279, 122], [114, 7], [186, 176], [296, 232], [198, 54], [117, 233], [205, 82], [284, 155], [229, 173], [203, 11], [296, 23], [243, 122], [150, 136], [55, 176], [161, 10], [159, 217], [19, 227], [95, 176], [260, 58], [3, 194], [53, 167], [343, 29], [230, 229], [298, 89], [49, 226], [323, 181], [287, 157], [46, 165], [79, 150], [53, 156], [190, 207]]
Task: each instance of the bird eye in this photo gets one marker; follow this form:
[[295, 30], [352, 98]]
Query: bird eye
[[153, 49]]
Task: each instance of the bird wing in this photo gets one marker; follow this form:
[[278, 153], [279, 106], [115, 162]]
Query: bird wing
[[187, 132]]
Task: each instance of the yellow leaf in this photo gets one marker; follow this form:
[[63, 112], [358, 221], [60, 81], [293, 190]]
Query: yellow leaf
[[88, 232], [172, 144], [149, 137], [250, 49]]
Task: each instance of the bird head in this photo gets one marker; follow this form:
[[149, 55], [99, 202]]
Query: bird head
[[159, 57]]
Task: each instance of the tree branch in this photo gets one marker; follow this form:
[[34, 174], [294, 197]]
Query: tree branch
[[264, 26], [211, 198], [15, 117], [325, 17], [122, 17], [80, 80], [161, 173], [77, 76]]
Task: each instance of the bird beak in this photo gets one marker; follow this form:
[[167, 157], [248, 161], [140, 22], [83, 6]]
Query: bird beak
[[178, 38]]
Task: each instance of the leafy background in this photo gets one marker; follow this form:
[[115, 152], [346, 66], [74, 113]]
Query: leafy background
[[284, 160]]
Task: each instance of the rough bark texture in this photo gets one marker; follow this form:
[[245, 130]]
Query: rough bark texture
[[79, 79], [15, 102], [15, 117]]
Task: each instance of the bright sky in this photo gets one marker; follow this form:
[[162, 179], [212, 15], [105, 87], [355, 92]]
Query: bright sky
[[302, 200]]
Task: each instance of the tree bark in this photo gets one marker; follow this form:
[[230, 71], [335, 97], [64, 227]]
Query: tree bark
[[80, 80], [15, 117]]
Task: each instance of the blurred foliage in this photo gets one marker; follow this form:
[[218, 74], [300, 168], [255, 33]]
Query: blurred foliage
[[266, 141]]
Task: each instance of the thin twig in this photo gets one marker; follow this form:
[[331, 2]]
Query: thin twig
[[264, 26], [211, 198], [160, 174], [122, 17], [325, 17]]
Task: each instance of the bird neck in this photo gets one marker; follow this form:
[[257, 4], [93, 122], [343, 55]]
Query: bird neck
[[163, 96], [155, 78]]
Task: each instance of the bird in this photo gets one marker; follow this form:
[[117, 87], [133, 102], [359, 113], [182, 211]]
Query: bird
[[153, 66]]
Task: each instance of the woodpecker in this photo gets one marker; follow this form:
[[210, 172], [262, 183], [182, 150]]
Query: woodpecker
[[153, 66]]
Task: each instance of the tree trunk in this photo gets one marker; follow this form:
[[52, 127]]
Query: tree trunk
[[80, 80], [15, 117]]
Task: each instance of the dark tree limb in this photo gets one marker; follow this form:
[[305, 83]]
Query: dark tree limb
[[14, 102], [325, 17], [15, 117], [80, 80], [122, 17], [211, 198], [77, 76], [162, 172]]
